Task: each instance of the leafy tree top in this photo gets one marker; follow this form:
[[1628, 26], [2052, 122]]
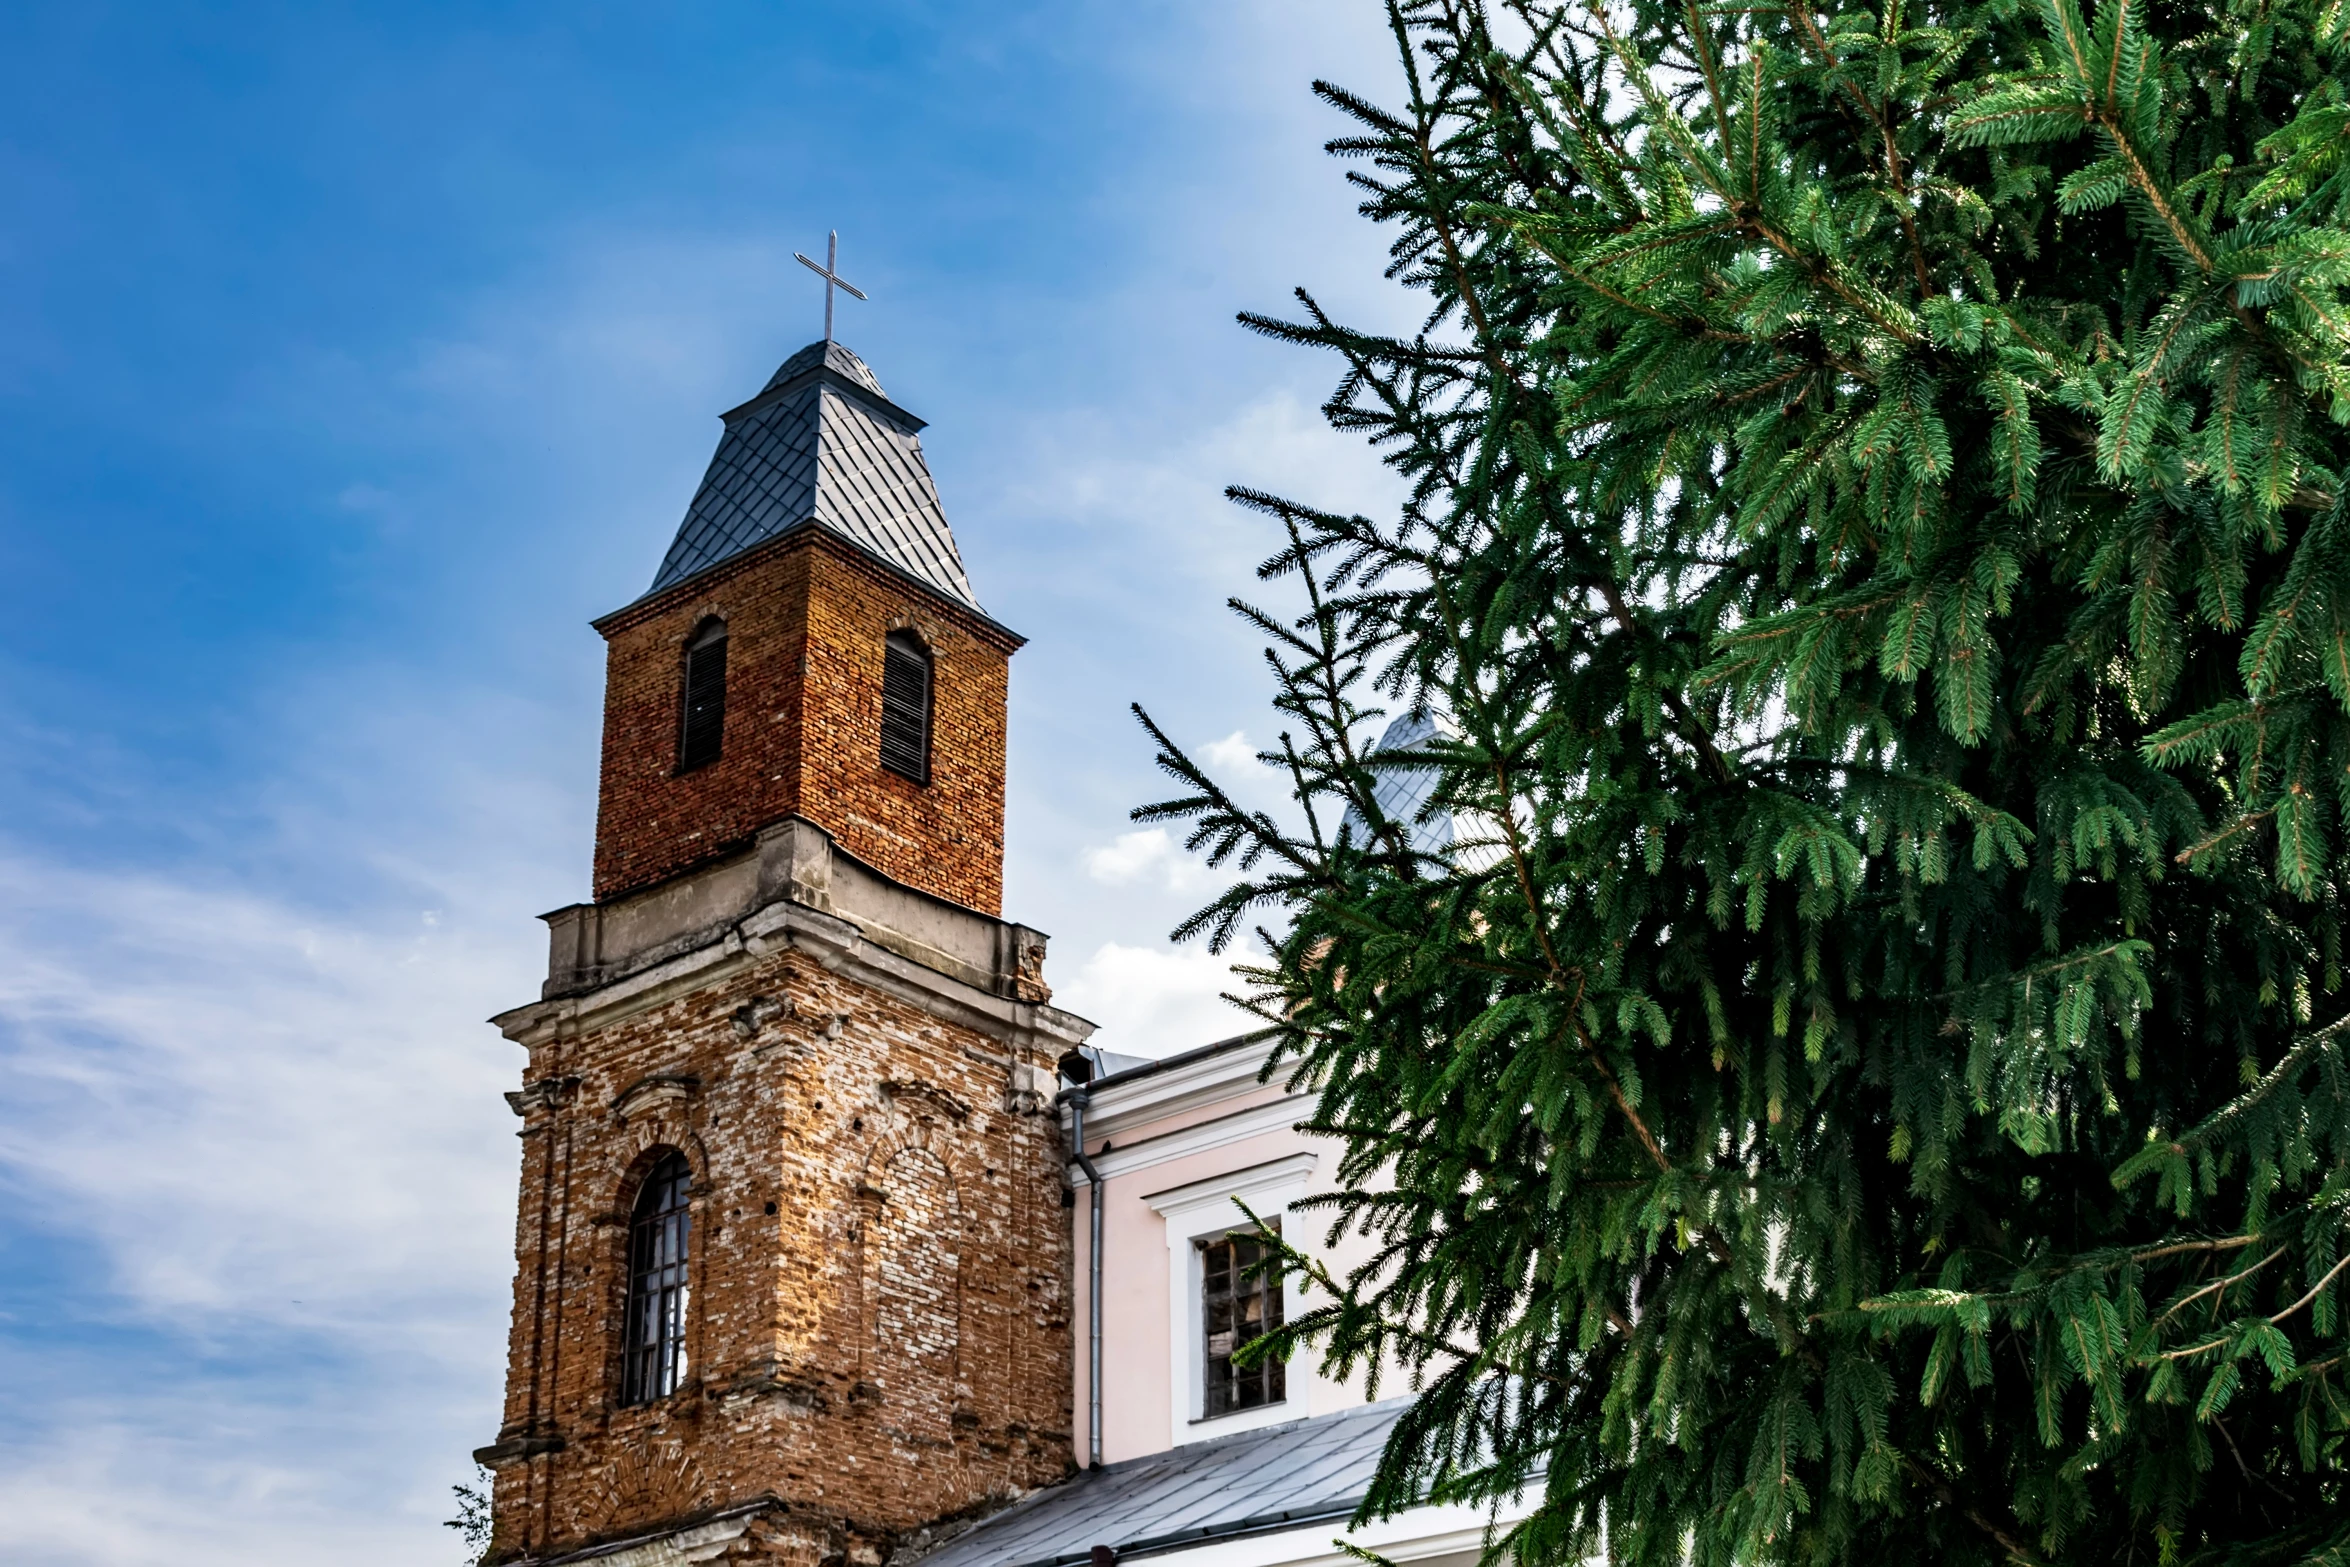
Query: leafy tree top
[[1870, 1078]]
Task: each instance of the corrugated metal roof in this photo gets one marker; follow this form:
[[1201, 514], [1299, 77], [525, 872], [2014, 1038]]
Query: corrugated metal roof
[[1278, 1477], [822, 445]]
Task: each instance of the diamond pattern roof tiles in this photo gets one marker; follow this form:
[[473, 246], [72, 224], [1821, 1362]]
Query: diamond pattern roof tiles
[[833, 356], [1402, 791], [1277, 1477], [1471, 841], [821, 446]]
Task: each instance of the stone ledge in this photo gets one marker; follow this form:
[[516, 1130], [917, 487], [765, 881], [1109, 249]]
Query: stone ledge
[[592, 945], [516, 1448], [673, 1546], [837, 946]]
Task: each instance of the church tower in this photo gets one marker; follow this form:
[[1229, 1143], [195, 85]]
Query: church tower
[[793, 1278]]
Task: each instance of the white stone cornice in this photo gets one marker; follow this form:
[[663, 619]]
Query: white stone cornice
[[1154, 1093], [794, 889], [702, 1542], [1218, 1191], [1256, 1121], [837, 944]]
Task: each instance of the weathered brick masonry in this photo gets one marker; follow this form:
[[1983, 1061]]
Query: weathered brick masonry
[[806, 616], [793, 976], [881, 1257]]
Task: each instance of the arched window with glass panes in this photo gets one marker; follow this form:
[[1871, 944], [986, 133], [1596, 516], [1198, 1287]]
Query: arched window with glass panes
[[701, 727], [906, 706], [660, 1245]]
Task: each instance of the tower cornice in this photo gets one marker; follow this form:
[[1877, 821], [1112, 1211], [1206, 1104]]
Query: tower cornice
[[809, 534], [796, 890]]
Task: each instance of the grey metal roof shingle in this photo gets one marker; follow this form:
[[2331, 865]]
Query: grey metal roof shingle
[[821, 446], [1283, 1476]]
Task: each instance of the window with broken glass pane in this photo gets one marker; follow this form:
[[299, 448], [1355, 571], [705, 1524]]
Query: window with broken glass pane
[[1240, 1300], [659, 1239]]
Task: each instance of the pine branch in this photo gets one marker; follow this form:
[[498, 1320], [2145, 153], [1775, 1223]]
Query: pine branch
[[1875, 522]]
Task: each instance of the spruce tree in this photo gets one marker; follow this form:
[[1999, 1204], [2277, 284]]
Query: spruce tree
[[1867, 1080]]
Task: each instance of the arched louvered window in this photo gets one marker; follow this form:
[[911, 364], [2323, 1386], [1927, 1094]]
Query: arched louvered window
[[660, 1235], [701, 733], [905, 706]]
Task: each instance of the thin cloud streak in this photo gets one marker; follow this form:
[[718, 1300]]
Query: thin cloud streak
[[279, 1133], [1153, 1001], [175, 1054]]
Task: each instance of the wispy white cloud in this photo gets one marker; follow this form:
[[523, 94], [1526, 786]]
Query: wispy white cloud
[[259, 1131], [1126, 493], [1147, 855], [222, 1476], [255, 1109], [1232, 753], [1154, 1001], [278, 1129]]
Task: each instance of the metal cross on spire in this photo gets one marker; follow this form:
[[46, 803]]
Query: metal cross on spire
[[831, 276]]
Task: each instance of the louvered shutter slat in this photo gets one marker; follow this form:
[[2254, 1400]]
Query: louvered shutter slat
[[702, 737], [905, 709]]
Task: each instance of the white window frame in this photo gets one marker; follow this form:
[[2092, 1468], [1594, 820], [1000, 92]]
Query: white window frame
[[1201, 1211]]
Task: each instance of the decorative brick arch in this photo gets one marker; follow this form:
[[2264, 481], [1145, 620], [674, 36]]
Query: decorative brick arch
[[925, 630], [651, 1480], [647, 1140], [688, 627], [902, 1129]]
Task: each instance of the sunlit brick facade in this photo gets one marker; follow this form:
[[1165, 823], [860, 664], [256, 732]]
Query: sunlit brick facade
[[793, 976], [806, 616]]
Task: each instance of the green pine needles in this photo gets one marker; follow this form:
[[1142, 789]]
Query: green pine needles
[[1871, 1079]]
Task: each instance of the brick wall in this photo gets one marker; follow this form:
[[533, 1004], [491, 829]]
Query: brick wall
[[880, 1265], [807, 617]]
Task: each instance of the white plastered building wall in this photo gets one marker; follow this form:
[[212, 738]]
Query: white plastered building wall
[[1175, 1144]]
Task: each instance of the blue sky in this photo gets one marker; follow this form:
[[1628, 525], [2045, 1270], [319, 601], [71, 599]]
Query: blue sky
[[351, 359]]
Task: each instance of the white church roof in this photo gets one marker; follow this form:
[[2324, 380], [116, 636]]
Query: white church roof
[[1469, 840]]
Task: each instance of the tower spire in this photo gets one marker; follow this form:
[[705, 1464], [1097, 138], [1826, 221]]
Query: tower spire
[[821, 445]]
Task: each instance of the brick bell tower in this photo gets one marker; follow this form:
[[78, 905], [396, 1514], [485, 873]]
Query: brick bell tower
[[793, 1274]]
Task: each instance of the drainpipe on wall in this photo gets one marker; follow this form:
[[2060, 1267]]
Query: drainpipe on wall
[[1080, 1070]]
